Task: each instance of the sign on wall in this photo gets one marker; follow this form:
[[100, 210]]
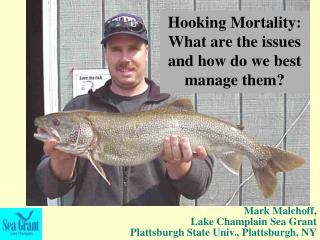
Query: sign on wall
[[86, 79]]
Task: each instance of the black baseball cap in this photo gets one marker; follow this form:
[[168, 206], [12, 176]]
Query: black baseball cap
[[124, 23]]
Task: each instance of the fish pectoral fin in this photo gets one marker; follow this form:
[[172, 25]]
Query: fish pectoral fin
[[98, 167], [231, 160]]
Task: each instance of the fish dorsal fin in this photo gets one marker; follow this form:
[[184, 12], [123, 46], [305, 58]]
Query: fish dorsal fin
[[184, 104], [231, 160], [240, 127]]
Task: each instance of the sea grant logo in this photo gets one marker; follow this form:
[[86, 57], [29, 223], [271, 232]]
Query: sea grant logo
[[21, 223]]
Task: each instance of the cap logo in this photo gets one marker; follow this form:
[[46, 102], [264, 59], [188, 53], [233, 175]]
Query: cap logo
[[123, 19], [125, 23]]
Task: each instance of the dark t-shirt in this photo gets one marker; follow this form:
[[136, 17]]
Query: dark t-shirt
[[128, 104]]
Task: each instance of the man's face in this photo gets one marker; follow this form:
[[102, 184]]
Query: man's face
[[126, 56]]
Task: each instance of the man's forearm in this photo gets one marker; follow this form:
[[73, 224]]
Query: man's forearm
[[63, 169], [50, 185]]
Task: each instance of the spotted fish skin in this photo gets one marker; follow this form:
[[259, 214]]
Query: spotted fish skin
[[126, 139]]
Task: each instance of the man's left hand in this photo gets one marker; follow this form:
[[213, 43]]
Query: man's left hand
[[177, 154]]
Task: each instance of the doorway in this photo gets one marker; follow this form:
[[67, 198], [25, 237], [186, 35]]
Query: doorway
[[35, 99]]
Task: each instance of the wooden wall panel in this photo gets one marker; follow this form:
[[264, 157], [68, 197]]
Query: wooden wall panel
[[155, 8], [297, 5], [263, 119], [224, 183], [79, 41], [248, 5], [79, 36], [217, 5], [297, 183], [264, 116], [224, 106]]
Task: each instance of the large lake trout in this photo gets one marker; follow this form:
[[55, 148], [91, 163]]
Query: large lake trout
[[126, 139]]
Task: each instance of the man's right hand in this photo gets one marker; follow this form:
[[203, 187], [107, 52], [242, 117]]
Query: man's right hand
[[62, 164]]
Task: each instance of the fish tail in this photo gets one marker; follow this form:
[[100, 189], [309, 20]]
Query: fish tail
[[280, 161]]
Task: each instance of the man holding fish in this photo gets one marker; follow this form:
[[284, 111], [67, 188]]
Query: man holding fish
[[158, 182]]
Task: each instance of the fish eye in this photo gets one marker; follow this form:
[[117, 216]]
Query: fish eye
[[55, 122]]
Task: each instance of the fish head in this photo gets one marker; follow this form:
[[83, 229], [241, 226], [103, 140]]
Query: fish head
[[72, 131]]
